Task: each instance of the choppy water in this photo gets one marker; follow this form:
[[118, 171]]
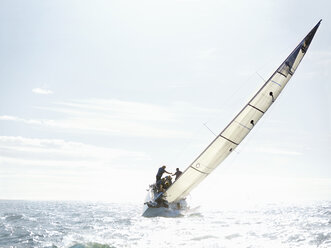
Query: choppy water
[[77, 225]]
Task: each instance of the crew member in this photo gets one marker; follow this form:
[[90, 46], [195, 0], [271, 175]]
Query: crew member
[[160, 173], [177, 173]]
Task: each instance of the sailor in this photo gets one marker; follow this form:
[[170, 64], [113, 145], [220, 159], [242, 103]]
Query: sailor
[[177, 173], [167, 182], [160, 173], [169, 179], [160, 185]]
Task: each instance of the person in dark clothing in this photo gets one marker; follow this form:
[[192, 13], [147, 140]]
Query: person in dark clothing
[[160, 173], [167, 182], [177, 173]]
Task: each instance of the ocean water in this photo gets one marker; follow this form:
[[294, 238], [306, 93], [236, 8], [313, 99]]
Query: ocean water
[[80, 224]]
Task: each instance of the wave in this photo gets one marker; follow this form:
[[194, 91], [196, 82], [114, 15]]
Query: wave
[[204, 237], [91, 245], [84, 225], [12, 217]]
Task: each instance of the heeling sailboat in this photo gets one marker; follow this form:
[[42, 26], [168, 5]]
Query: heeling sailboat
[[235, 131]]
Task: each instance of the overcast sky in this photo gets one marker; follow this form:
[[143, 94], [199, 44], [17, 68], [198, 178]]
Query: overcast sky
[[96, 95]]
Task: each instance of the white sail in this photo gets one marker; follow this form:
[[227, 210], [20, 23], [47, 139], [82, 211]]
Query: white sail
[[240, 126]]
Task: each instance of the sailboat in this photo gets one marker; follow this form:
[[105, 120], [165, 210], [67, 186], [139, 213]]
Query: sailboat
[[232, 135]]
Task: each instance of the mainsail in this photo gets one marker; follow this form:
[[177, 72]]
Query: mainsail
[[240, 126]]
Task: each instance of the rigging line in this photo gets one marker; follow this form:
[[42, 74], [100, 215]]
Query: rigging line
[[261, 77], [205, 124], [183, 149], [226, 103]]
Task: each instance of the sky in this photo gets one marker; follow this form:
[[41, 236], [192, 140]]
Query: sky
[[97, 95]]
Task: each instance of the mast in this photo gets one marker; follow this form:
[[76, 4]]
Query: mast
[[240, 126]]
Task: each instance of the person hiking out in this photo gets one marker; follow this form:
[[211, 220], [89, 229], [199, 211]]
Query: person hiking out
[[160, 173]]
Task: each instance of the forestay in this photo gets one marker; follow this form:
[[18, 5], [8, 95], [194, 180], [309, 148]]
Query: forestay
[[240, 126]]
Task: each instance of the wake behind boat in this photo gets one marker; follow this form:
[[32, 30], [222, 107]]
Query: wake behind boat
[[171, 198]]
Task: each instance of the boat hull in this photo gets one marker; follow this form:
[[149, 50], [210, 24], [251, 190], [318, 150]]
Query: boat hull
[[162, 212], [151, 208]]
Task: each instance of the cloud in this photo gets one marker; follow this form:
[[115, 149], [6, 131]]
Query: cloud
[[103, 125], [32, 168], [18, 150], [42, 91], [119, 109], [125, 118], [18, 119]]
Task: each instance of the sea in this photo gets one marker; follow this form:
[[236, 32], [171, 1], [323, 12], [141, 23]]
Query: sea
[[53, 224]]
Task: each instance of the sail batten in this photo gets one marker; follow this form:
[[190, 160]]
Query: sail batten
[[199, 170], [256, 108], [241, 125], [229, 140]]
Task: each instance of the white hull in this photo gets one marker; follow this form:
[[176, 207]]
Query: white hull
[[174, 209], [161, 212]]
